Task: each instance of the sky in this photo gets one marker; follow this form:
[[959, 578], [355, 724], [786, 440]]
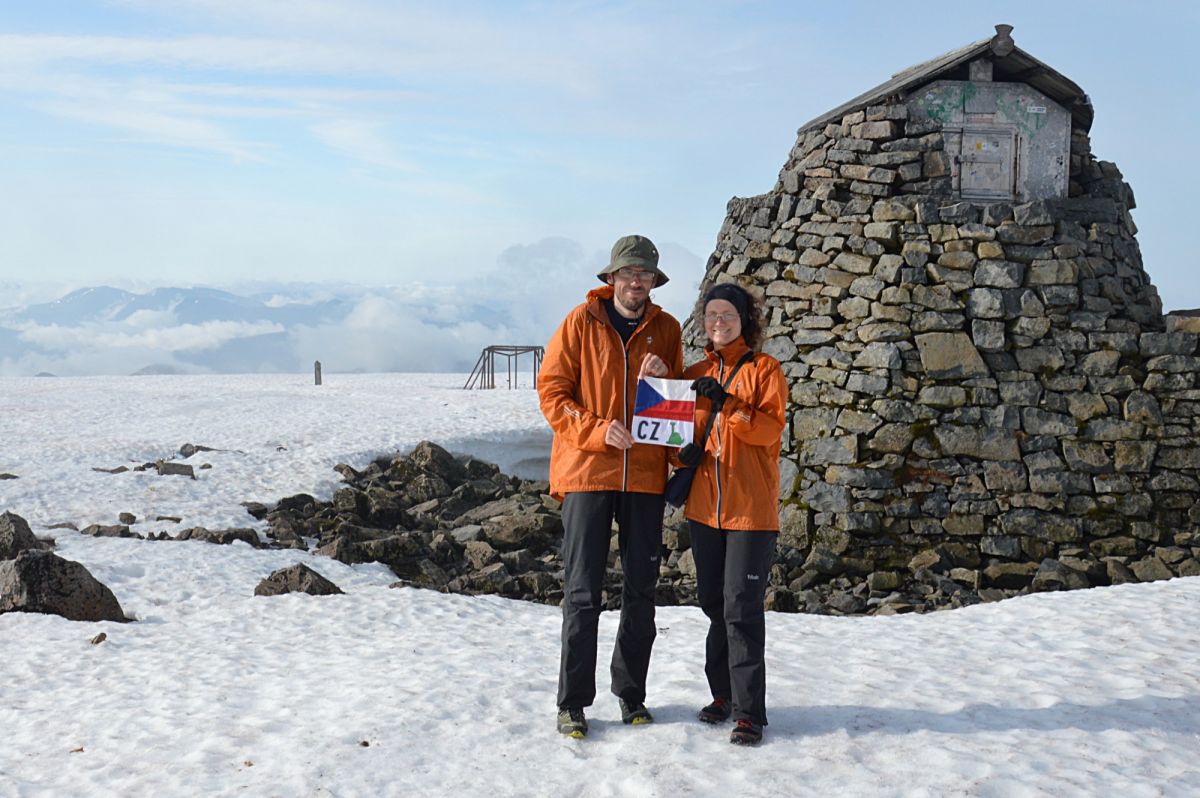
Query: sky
[[392, 692], [215, 142]]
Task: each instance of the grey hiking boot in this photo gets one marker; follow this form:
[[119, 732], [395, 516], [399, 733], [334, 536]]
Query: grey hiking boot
[[572, 723], [635, 712], [746, 732], [716, 712]]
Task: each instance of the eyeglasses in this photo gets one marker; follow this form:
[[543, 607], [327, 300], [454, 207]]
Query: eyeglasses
[[641, 275], [713, 318]]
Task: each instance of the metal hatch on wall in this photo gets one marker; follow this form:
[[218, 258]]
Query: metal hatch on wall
[[987, 165]]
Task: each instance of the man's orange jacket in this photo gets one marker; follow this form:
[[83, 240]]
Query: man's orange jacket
[[587, 380]]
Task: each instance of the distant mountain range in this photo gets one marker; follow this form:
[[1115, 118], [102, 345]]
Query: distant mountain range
[[106, 330], [187, 305], [440, 325]]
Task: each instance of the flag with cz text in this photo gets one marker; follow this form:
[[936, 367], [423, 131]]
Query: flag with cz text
[[663, 412]]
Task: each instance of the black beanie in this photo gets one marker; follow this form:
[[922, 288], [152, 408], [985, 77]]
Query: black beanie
[[734, 295]]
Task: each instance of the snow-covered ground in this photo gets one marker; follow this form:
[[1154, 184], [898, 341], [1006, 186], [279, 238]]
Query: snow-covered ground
[[394, 691]]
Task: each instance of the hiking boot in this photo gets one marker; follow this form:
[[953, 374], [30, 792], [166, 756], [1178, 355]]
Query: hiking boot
[[716, 712], [746, 732], [572, 723], [635, 712]]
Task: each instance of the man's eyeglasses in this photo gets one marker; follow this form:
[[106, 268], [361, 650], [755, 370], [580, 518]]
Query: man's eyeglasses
[[713, 318], [641, 275]]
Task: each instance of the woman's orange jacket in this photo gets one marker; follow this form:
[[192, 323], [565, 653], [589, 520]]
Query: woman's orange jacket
[[737, 483], [588, 378]]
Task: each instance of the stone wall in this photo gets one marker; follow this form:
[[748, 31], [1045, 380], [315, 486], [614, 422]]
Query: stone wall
[[982, 396]]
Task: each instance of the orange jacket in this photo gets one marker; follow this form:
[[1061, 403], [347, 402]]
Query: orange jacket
[[588, 379], [737, 484]]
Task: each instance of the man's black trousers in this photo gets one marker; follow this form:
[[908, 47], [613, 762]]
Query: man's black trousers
[[732, 568], [587, 529]]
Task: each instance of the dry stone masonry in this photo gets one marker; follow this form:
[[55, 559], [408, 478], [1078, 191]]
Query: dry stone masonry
[[985, 395]]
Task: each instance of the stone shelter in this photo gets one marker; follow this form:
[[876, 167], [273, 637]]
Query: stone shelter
[[985, 393]]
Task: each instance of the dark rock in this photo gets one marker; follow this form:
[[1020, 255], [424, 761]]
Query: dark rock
[[1054, 575], [188, 449], [534, 532], [167, 468], [109, 531], [1010, 576], [16, 537], [439, 462], [298, 578], [39, 581], [298, 503], [257, 510], [8, 476], [221, 536]]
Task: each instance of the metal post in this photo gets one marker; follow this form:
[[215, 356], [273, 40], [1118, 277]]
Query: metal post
[[317, 373]]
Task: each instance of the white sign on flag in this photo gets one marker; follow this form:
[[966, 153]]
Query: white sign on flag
[[664, 412]]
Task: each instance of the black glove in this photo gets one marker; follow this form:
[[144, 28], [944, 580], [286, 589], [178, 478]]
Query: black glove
[[690, 455], [711, 390]]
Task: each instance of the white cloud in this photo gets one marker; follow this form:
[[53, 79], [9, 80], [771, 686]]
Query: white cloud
[[361, 140], [178, 338], [158, 128]]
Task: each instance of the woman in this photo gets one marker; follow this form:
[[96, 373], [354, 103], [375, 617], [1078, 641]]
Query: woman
[[733, 506]]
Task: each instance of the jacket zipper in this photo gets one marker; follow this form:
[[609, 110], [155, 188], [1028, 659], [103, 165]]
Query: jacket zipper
[[625, 410], [625, 395], [717, 428], [624, 402]]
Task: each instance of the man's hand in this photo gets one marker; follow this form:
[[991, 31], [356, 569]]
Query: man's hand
[[690, 455], [617, 436], [711, 390], [653, 366]]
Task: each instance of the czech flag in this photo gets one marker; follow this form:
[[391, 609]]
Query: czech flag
[[663, 412]]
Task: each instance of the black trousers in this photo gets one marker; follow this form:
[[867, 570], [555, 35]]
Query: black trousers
[[587, 528], [732, 568]]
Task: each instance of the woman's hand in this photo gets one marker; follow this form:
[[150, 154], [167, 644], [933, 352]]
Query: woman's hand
[[711, 390], [690, 455]]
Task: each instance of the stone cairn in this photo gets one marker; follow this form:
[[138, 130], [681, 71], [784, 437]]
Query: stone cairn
[[985, 397]]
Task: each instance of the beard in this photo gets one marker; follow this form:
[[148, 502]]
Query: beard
[[633, 305]]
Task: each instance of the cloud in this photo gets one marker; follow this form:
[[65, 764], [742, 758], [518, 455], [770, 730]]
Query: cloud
[[116, 336], [361, 140], [159, 128], [439, 324]]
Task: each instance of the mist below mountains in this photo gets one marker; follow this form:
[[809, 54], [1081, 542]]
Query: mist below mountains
[[428, 326]]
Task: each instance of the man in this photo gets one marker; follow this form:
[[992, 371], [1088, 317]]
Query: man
[[587, 385]]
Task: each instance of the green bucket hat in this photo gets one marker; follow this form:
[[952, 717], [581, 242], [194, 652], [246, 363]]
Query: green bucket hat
[[636, 251]]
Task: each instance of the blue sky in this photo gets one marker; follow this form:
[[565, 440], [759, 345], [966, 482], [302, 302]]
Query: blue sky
[[218, 141]]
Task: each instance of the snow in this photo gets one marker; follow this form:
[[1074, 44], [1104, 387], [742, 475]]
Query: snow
[[397, 691]]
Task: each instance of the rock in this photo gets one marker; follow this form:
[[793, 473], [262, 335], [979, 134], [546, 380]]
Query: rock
[[1054, 575], [534, 531], [188, 449], [39, 581], [221, 536], [298, 578], [1151, 569], [16, 537], [950, 356], [108, 531], [439, 462], [480, 554], [167, 468], [8, 476], [1010, 576]]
